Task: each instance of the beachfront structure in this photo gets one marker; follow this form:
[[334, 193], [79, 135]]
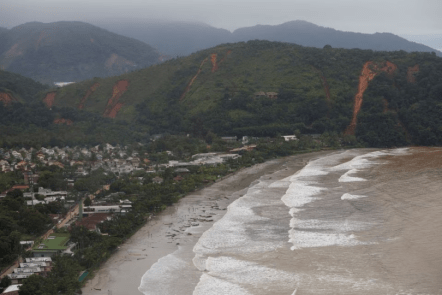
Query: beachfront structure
[[54, 244]]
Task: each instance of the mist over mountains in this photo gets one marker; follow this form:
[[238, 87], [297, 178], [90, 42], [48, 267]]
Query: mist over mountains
[[183, 38], [76, 51], [70, 51]]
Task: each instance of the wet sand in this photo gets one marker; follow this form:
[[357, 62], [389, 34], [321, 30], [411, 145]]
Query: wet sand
[[170, 230]]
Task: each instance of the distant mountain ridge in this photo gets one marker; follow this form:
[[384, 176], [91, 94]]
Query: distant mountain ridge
[[171, 38], [180, 38], [71, 51]]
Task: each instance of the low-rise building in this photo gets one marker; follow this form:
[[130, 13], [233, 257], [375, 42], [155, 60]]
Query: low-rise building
[[54, 244], [290, 137], [92, 221], [18, 278], [107, 209]]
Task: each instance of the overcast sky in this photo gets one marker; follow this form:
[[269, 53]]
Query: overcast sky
[[400, 17]]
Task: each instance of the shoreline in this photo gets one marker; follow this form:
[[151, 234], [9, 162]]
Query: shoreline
[[180, 226]]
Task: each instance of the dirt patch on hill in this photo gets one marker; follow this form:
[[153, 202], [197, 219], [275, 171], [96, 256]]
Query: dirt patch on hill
[[225, 56], [193, 79], [63, 121], [14, 51], [116, 61], [113, 105], [410, 73], [88, 93], [215, 67], [369, 71], [42, 36], [6, 98], [49, 99], [324, 83], [115, 109], [213, 60]]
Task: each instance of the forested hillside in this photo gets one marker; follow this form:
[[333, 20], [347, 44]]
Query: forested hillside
[[71, 51], [262, 88], [14, 88], [26, 121]]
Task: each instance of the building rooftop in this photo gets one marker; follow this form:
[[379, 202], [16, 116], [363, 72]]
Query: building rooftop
[[12, 288], [54, 242], [38, 259], [91, 221]]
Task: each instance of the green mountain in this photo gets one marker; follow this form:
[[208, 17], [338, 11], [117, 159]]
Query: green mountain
[[71, 51], [262, 88]]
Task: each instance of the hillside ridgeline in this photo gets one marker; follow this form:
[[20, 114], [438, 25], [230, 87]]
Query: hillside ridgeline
[[262, 88]]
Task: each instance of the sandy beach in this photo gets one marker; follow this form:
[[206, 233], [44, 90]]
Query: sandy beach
[[180, 226]]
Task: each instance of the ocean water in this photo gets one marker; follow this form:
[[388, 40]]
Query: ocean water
[[350, 222]]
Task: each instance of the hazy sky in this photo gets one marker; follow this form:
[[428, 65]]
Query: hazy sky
[[367, 16]]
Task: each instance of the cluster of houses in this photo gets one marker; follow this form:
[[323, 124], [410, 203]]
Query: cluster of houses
[[115, 159], [34, 265]]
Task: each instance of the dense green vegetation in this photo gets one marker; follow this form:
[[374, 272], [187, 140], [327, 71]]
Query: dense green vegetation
[[17, 219], [19, 87], [32, 125], [394, 112], [316, 90]]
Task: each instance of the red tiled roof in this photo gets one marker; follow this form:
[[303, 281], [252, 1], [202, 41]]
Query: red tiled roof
[[91, 221], [20, 187]]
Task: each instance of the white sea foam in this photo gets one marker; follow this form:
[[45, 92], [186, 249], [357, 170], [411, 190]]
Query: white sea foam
[[304, 189], [347, 178], [337, 226], [308, 239], [209, 285], [155, 280], [284, 183], [348, 196], [300, 193], [230, 233], [244, 273]]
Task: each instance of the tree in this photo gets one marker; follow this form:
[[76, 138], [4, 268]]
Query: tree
[[5, 282], [37, 285], [34, 221], [64, 275], [87, 202]]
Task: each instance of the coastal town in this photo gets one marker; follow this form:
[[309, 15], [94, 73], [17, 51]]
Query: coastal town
[[76, 187]]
